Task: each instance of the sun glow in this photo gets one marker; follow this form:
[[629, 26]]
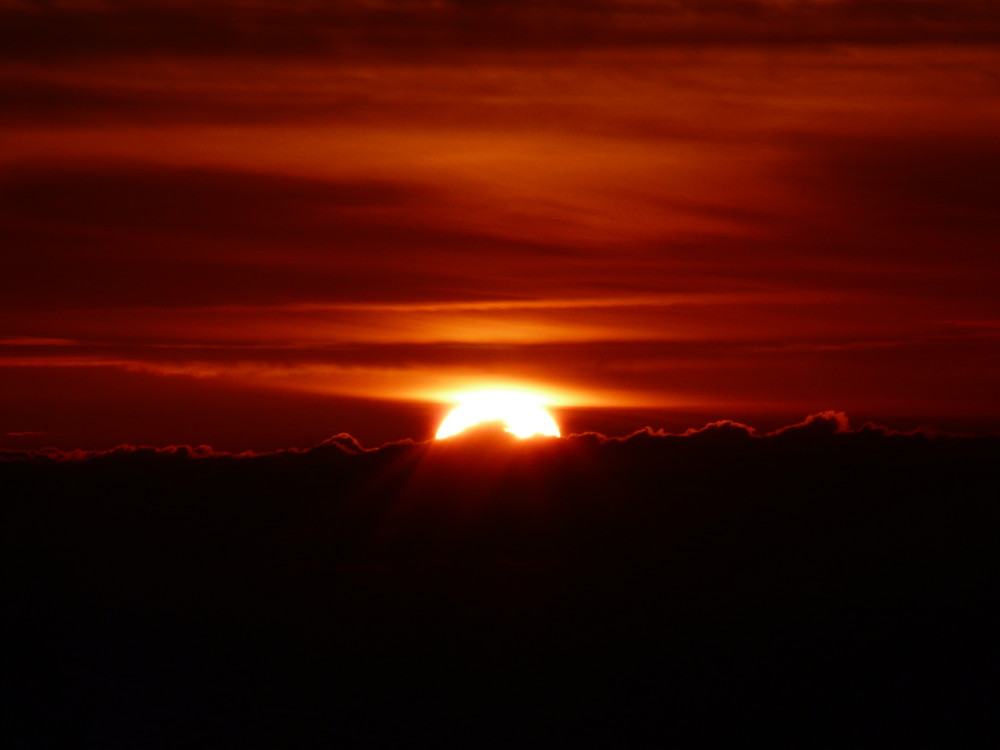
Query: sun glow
[[521, 412]]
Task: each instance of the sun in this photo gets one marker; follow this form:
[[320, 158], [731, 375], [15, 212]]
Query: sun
[[521, 412]]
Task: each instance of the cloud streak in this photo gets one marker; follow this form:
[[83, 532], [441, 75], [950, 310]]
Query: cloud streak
[[436, 30]]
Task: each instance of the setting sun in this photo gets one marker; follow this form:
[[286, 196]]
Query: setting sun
[[521, 412]]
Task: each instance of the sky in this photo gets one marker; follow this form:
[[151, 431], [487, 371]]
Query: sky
[[256, 224], [251, 250]]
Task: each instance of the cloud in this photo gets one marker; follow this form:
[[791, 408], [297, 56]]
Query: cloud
[[121, 452], [180, 212], [335, 445], [701, 208], [266, 395], [489, 437], [218, 236], [33, 341], [820, 425], [436, 30], [310, 594], [895, 196], [724, 429], [342, 442]]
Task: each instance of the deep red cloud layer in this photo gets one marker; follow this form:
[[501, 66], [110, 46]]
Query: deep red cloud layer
[[664, 213]]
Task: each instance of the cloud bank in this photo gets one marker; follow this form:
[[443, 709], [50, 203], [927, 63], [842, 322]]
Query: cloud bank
[[436, 30], [824, 425], [814, 581]]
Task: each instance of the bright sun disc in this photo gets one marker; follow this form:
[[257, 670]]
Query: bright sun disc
[[521, 412]]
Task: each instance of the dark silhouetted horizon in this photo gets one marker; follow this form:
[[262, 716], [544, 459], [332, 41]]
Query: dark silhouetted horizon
[[818, 586]]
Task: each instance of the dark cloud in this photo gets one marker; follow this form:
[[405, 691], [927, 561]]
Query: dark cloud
[[816, 425], [34, 98], [177, 200], [167, 209], [635, 589], [436, 30], [489, 436], [150, 235], [913, 195]]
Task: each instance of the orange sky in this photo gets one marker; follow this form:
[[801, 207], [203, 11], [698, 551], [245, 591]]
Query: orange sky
[[251, 223]]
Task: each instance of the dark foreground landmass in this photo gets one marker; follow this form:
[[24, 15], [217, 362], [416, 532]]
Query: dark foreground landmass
[[814, 588]]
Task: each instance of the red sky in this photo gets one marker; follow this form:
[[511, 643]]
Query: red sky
[[256, 224]]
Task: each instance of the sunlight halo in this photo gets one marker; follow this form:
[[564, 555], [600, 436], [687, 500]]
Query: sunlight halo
[[520, 411]]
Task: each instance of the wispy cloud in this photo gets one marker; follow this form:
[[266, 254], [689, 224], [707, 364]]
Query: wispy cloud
[[735, 202], [444, 30]]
